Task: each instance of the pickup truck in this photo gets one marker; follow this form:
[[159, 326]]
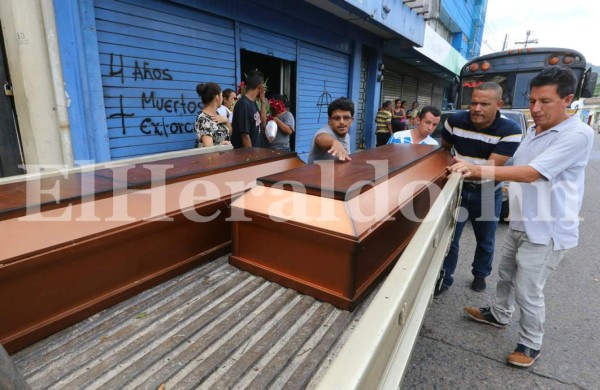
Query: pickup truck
[[216, 326]]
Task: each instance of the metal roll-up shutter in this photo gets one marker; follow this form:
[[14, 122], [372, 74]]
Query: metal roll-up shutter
[[322, 77], [391, 87], [152, 56], [409, 90], [360, 106], [438, 96], [424, 93], [264, 42]]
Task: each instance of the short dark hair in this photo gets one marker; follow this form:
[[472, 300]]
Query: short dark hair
[[387, 103], [491, 86], [342, 103], [397, 101], [564, 79], [432, 109], [283, 98], [227, 92], [254, 78], [208, 91]]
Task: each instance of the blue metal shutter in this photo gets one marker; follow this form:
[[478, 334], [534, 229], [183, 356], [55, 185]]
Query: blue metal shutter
[[266, 43], [152, 56], [322, 77]]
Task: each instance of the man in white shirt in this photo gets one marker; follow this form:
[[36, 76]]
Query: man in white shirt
[[545, 199], [426, 121]]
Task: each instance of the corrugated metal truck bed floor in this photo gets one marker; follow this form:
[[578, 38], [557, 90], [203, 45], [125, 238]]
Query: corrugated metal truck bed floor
[[213, 327]]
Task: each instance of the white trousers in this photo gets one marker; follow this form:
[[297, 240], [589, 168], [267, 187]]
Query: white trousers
[[523, 270]]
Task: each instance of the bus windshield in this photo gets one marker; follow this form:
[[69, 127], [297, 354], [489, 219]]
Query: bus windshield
[[514, 69], [515, 87]]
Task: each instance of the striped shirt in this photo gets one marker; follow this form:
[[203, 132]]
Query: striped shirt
[[476, 146], [382, 119]]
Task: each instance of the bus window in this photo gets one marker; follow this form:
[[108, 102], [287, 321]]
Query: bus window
[[521, 91], [470, 83]]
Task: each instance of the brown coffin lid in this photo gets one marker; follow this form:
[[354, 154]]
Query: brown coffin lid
[[349, 178], [352, 216], [75, 187], [140, 177]]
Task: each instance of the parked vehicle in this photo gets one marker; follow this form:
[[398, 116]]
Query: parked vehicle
[[514, 69], [514, 115]]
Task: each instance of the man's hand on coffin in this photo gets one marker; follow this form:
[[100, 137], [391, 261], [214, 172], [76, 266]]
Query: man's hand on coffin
[[464, 168], [338, 150]]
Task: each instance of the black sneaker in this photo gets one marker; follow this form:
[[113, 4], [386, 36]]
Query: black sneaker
[[523, 356], [439, 290], [483, 315], [478, 284]]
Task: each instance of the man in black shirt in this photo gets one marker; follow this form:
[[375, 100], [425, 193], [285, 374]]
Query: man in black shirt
[[247, 119]]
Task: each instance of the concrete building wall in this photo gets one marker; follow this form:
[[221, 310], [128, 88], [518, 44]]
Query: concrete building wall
[[30, 39]]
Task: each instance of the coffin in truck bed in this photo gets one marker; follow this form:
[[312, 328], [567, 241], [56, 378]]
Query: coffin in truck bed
[[332, 229], [67, 255]]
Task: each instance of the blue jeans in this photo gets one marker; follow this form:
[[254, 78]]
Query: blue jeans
[[480, 205]]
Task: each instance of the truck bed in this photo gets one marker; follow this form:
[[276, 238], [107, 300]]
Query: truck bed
[[212, 327], [219, 327]]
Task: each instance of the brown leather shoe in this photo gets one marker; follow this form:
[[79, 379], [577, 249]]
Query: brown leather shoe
[[523, 356], [483, 315]]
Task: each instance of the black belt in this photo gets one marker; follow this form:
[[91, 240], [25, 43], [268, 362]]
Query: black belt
[[472, 186]]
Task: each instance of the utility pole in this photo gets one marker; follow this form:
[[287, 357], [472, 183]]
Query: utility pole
[[505, 44], [524, 43]]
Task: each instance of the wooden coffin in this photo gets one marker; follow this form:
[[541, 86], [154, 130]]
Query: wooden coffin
[[331, 230], [74, 245]]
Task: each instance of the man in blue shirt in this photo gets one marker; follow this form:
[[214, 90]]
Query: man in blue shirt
[[482, 137], [545, 198]]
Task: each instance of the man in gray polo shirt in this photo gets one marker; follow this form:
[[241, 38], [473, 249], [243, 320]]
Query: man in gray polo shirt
[[545, 200], [332, 142]]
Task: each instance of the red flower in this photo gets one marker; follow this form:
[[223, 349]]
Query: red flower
[[241, 89], [277, 107]]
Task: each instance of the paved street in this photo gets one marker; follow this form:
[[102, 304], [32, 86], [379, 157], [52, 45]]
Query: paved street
[[454, 352]]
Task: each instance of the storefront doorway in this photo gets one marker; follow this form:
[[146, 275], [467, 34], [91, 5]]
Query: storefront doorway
[[280, 76]]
